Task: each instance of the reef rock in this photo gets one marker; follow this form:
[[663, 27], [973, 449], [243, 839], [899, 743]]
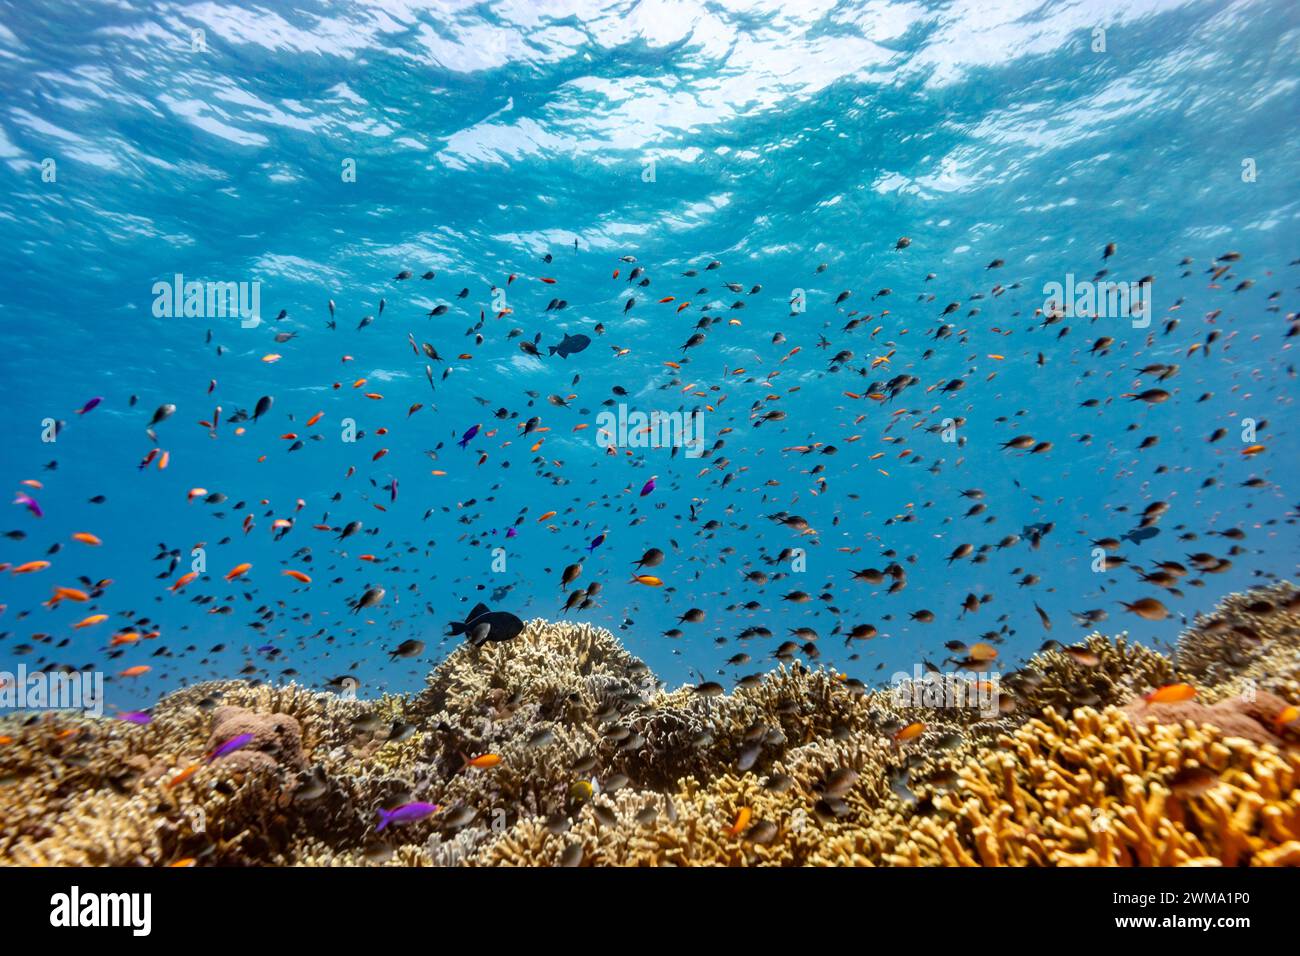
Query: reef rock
[[276, 740]]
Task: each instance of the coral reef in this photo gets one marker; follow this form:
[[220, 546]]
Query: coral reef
[[559, 748]]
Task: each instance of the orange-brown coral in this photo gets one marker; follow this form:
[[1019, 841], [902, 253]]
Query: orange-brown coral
[[598, 765]]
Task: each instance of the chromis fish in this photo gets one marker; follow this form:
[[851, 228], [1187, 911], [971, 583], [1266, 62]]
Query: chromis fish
[[482, 625], [468, 437], [569, 345]]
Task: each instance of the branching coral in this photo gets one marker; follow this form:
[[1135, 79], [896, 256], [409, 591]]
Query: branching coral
[[1104, 789], [1242, 631], [585, 760]]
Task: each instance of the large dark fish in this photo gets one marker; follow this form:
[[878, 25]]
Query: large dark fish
[[482, 625], [569, 345], [1138, 535]]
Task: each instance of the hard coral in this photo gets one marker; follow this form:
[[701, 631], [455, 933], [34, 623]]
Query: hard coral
[[1103, 789], [588, 761]]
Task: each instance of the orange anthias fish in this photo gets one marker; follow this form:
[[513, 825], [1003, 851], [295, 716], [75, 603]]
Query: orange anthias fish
[[910, 732], [183, 580], [481, 762], [85, 537], [184, 775], [137, 671], [238, 571], [742, 821], [1288, 715], [30, 567], [298, 576], [1171, 694]]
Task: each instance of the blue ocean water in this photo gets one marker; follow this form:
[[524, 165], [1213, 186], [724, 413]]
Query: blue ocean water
[[318, 150]]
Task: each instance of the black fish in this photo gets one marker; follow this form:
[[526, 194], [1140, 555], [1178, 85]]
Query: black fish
[[569, 345], [408, 648], [483, 625], [1138, 535]]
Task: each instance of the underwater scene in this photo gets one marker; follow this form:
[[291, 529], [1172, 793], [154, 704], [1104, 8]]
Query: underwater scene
[[592, 433]]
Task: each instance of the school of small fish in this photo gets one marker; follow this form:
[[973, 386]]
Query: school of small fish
[[758, 485]]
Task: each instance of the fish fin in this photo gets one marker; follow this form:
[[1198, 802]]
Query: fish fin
[[454, 628], [550, 349], [479, 634], [477, 611]]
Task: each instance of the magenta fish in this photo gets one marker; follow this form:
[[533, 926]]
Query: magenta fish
[[89, 405], [230, 746], [29, 503], [406, 813], [135, 717], [649, 486]]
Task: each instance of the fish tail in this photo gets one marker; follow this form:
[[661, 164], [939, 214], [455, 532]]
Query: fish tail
[[385, 818], [455, 627], [550, 350]]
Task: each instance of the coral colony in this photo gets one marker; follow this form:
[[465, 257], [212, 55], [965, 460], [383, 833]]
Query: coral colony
[[558, 748]]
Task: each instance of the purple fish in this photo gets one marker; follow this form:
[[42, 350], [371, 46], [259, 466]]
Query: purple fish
[[230, 746], [596, 542], [468, 437], [29, 503], [406, 813], [511, 532], [649, 486], [89, 405], [135, 717]]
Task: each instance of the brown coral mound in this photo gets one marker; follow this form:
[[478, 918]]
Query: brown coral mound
[[596, 764], [1255, 718], [276, 739]]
